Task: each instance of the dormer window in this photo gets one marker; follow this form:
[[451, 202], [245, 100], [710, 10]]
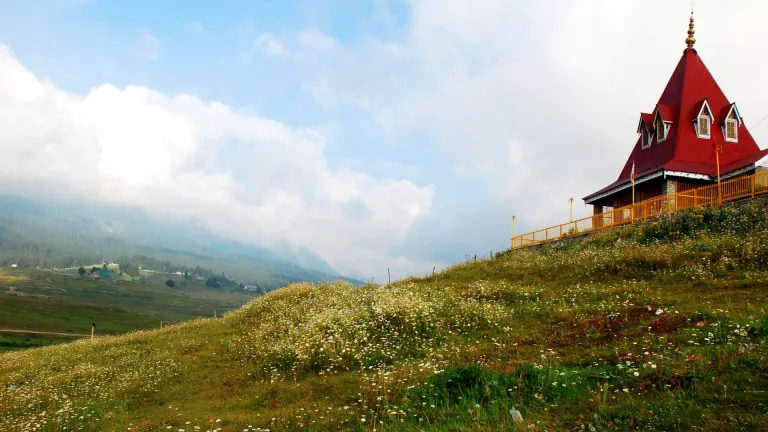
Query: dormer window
[[645, 129], [645, 138], [703, 121], [661, 129], [731, 127], [661, 126], [704, 126]]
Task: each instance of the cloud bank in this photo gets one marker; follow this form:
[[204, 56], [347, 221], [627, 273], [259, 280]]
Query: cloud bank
[[178, 157]]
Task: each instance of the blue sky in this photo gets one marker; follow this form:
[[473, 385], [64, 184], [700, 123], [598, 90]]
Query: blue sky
[[448, 117]]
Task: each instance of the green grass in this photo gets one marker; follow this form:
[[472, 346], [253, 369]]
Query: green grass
[[14, 341], [659, 326], [116, 306]]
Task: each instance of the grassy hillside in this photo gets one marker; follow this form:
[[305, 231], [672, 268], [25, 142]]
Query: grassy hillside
[[116, 306], [659, 326]]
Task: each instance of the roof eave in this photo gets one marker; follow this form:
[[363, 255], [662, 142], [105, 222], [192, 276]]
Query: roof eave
[[736, 172], [589, 199]]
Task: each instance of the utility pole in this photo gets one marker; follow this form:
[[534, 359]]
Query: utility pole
[[571, 201], [718, 149]]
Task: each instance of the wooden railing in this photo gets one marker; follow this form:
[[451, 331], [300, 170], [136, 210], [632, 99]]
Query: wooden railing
[[740, 187]]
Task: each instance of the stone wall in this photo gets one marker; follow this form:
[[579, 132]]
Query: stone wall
[[669, 187]]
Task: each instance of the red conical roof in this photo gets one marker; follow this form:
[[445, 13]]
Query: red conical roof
[[689, 87]]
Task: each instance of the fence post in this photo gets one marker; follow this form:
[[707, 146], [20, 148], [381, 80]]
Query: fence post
[[512, 241], [753, 186]]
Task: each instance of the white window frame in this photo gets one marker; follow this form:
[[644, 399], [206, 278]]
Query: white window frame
[[708, 121], [736, 120], [667, 125], [665, 132], [645, 138], [704, 113], [646, 133], [735, 130]]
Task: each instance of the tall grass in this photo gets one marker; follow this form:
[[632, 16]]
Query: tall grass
[[657, 326]]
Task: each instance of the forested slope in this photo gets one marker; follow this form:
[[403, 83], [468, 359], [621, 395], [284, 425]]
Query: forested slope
[[36, 235]]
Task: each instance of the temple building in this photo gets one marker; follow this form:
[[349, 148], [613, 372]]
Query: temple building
[[678, 140]]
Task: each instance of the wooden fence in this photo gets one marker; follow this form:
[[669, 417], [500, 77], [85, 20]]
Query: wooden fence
[[747, 186]]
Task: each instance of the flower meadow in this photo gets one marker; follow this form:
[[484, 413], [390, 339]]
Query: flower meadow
[[658, 326]]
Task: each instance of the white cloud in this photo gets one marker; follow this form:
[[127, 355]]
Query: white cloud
[[149, 46], [270, 45], [178, 157], [540, 99], [316, 40]]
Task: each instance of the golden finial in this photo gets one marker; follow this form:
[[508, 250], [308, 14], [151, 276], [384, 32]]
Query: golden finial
[[691, 40]]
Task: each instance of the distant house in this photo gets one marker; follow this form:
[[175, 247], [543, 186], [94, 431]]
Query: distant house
[[14, 265], [101, 274]]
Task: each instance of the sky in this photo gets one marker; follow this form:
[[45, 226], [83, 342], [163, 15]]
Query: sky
[[400, 134]]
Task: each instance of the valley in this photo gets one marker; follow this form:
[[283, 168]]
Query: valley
[[46, 302]]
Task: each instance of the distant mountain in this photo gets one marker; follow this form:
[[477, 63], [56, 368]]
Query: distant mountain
[[359, 277], [57, 235], [305, 258]]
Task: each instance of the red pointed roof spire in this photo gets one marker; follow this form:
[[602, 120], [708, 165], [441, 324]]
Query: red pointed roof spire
[[670, 142]]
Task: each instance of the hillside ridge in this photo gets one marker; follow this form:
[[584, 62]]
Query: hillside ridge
[[661, 325]]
